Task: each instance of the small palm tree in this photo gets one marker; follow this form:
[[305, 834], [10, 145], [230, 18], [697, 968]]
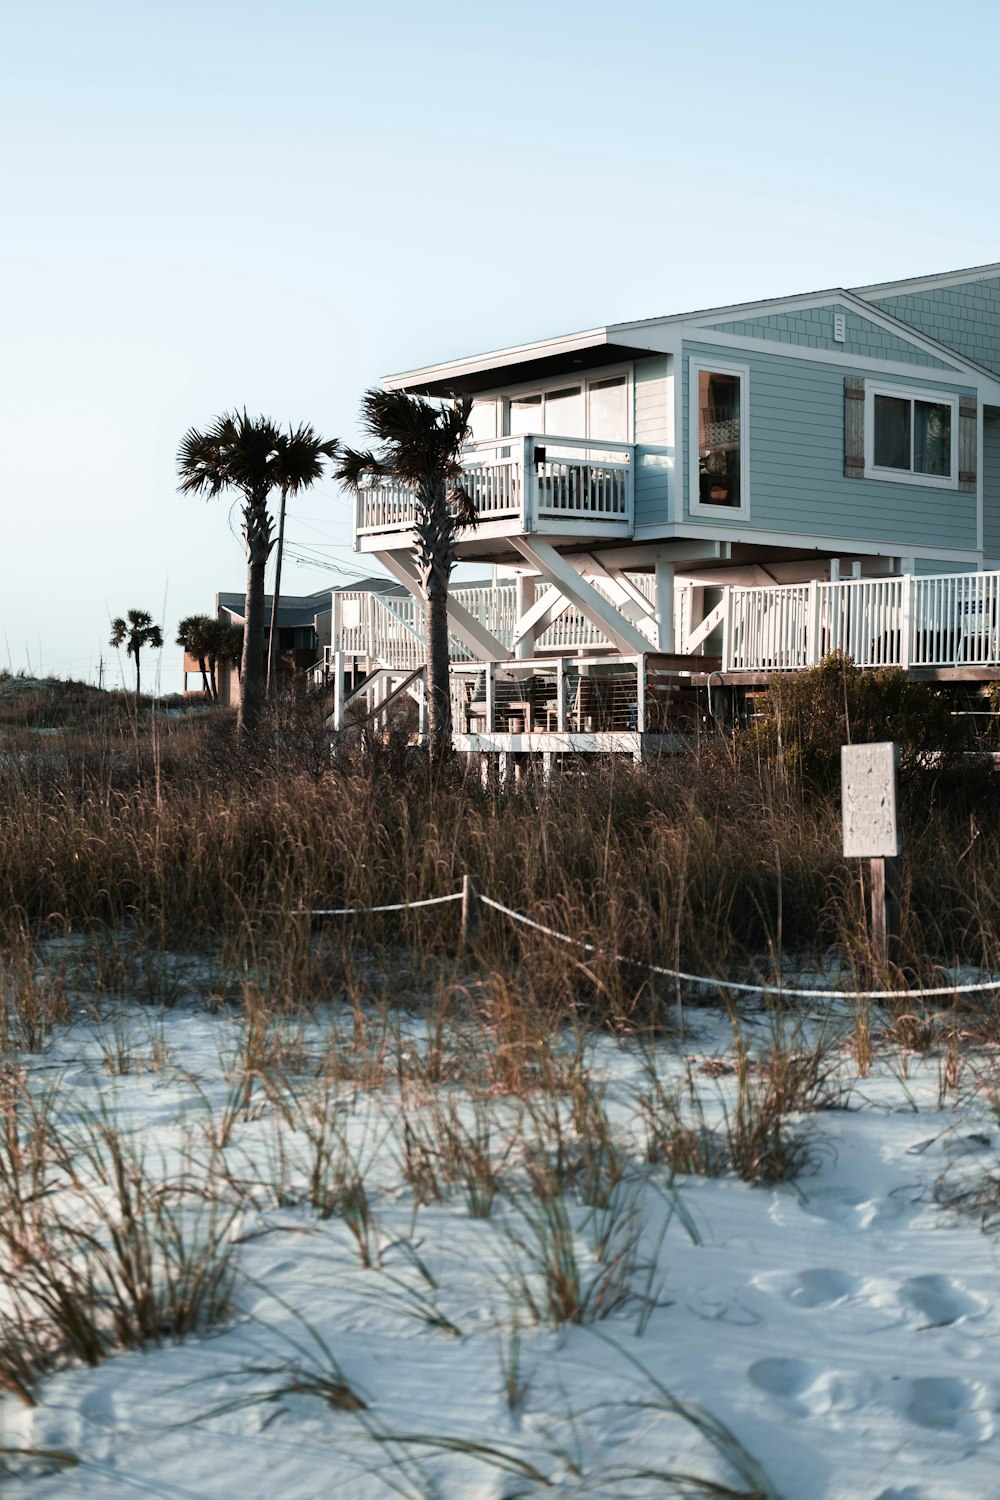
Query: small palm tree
[[253, 457], [419, 444], [194, 634], [225, 644], [135, 631]]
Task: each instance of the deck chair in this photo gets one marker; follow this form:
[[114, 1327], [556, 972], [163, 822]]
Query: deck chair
[[571, 698]]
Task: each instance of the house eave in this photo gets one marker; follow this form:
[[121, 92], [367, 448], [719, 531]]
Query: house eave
[[558, 356]]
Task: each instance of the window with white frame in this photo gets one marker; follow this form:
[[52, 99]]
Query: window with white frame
[[595, 408], [719, 400], [911, 435]]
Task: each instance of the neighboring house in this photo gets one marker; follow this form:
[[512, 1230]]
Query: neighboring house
[[645, 486], [304, 633]]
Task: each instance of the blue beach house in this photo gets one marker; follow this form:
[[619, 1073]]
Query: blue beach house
[[735, 490]]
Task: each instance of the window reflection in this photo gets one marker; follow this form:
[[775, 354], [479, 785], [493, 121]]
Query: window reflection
[[718, 439]]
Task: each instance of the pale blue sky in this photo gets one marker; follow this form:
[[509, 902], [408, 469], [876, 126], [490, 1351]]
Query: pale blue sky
[[272, 204]]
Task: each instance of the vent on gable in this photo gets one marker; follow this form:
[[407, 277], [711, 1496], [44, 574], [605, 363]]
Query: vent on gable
[[839, 328]]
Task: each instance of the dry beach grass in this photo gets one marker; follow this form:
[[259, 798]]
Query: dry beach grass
[[371, 1068]]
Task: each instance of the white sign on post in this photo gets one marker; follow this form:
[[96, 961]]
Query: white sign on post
[[868, 796]]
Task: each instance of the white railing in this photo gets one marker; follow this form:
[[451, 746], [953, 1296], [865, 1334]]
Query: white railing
[[524, 480], [389, 628], [949, 620], [956, 620], [369, 625]]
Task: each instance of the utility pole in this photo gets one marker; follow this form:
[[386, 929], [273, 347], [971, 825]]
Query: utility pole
[[272, 642]]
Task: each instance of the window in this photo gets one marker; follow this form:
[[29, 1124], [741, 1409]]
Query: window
[[589, 409], [911, 437], [483, 420], [718, 396]]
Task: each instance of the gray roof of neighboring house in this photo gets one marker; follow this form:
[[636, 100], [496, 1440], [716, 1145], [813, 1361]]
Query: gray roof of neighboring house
[[299, 611]]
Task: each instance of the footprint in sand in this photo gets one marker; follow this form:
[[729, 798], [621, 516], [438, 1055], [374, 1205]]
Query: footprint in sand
[[812, 1390], [853, 1208], [817, 1287], [949, 1404], [940, 1301]]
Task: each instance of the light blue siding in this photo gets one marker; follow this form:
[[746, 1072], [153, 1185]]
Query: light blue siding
[[653, 392], [991, 485], [812, 328], [796, 479], [929, 567], [965, 317]]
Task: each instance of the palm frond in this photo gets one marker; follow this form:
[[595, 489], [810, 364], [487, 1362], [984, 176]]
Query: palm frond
[[355, 468]]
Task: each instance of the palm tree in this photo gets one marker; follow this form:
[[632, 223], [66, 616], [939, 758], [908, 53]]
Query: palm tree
[[419, 444], [225, 643], [252, 456], [194, 634], [135, 631]]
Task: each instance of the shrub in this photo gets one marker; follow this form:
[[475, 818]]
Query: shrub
[[805, 717]]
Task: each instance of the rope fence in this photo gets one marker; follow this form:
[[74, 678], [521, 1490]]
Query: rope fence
[[471, 899], [364, 911]]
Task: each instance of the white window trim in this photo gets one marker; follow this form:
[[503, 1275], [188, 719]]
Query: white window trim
[[696, 367], [909, 476], [583, 378]]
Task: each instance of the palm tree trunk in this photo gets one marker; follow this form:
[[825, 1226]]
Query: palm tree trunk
[[137, 685], [204, 678], [436, 556], [257, 536], [438, 685]]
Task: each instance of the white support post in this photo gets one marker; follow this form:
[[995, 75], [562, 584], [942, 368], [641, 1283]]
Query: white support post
[[339, 695], [491, 670], [528, 486], [524, 592], [640, 694], [337, 620], [696, 607], [560, 695], [664, 593], [812, 624], [906, 620], [727, 628]]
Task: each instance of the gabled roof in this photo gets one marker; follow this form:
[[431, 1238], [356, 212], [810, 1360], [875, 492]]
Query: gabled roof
[[624, 341], [928, 283]]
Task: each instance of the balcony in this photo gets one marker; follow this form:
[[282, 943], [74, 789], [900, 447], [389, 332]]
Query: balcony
[[556, 486], [928, 625]]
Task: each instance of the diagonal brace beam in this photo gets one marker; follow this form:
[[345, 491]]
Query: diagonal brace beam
[[543, 613], [599, 610], [482, 643]]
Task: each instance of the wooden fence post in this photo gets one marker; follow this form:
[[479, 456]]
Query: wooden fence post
[[886, 929]]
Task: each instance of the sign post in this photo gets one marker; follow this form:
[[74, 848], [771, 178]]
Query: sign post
[[871, 831]]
